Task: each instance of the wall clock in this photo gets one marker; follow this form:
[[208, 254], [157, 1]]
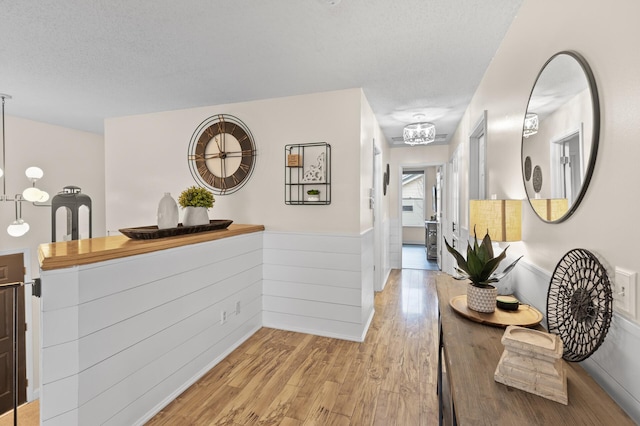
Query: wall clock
[[222, 154]]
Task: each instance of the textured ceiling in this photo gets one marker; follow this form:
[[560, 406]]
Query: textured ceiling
[[76, 62]]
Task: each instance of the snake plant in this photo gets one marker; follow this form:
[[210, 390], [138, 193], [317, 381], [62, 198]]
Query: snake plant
[[480, 264]]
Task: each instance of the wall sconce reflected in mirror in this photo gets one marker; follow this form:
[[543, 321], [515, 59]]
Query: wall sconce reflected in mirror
[[530, 124]]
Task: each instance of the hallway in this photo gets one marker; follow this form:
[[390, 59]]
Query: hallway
[[414, 256], [284, 378]]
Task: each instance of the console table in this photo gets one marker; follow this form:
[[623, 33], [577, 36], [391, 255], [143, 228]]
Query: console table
[[468, 394]]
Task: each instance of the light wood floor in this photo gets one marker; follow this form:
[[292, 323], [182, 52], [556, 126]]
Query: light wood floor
[[28, 415], [284, 378]]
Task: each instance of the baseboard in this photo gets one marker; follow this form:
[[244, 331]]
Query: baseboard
[[366, 327], [314, 332], [625, 400]]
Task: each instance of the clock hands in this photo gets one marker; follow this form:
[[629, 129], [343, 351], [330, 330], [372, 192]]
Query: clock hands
[[217, 144], [221, 155]]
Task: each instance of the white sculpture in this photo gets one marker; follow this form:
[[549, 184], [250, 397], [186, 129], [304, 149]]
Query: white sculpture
[[315, 172]]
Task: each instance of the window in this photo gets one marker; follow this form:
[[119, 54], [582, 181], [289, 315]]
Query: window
[[413, 198]]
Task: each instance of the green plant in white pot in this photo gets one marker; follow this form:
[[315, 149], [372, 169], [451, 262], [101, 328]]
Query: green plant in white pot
[[195, 201], [313, 195], [480, 268]]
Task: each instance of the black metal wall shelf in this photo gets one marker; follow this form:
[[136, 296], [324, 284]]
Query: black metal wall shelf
[[307, 167]]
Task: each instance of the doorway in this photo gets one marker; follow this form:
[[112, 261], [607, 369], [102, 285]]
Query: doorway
[[419, 217], [12, 270], [566, 158]]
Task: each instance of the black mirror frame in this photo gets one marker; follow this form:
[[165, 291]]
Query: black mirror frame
[[595, 104]]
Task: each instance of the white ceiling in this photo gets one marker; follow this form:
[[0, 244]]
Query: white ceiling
[[76, 62]]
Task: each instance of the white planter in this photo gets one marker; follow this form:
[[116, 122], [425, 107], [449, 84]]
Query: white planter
[[195, 216], [481, 299], [313, 198]]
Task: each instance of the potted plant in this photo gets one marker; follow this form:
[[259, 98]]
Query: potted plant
[[479, 267], [195, 200], [313, 195]]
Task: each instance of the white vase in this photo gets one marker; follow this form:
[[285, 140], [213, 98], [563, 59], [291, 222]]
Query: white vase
[[195, 216], [167, 212], [481, 299]]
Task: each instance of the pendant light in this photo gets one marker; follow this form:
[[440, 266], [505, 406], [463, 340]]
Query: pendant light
[[32, 194], [420, 132]]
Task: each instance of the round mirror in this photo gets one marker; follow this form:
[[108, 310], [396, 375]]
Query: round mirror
[[560, 136]]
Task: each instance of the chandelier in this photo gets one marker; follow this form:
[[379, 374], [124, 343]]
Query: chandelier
[[420, 132], [31, 194], [530, 124]]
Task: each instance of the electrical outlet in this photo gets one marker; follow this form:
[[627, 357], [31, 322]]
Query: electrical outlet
[[237, 307], [223, 317], [624, 294]]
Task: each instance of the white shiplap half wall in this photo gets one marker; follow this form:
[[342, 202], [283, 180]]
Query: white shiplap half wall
[[141, 329], [313, 283]]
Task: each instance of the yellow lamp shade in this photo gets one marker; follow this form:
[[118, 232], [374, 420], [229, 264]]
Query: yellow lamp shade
[[502, 219]]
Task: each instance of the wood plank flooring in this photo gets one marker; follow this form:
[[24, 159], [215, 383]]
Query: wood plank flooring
[[28, 415], [284, 378]]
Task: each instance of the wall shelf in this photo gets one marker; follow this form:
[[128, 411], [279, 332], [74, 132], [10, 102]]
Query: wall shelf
[[307, 167]]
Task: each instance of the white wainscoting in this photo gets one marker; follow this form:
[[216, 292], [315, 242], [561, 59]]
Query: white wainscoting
[[386, 244], [615, 365], [318, 283], [395, 244], [122, 338]]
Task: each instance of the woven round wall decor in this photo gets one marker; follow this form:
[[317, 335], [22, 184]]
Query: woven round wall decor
[[537, 179], [579, 304], [527, 169]]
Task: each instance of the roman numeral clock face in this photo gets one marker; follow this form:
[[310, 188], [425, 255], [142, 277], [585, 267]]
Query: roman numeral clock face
[[222, 154]]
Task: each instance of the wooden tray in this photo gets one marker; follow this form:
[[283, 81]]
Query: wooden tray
[[525, 316], [152, 232]]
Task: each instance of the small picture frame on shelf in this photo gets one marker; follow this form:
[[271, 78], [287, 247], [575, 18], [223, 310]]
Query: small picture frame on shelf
[[294, 160]]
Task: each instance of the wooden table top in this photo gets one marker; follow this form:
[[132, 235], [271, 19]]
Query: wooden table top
[[66, 254], [472, 353]]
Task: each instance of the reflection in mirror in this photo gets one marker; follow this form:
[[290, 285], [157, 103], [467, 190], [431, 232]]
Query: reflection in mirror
[[560, 136]]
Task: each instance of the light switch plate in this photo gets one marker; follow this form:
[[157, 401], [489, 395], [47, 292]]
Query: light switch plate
[[624, 293]]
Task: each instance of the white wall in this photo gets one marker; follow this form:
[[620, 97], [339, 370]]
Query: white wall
[[606, 35], [67, 157], [146, 155], [607, 212]]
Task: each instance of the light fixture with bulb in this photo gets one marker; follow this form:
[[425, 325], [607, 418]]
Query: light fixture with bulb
[[531, 123], [32, 194], [420, 132]]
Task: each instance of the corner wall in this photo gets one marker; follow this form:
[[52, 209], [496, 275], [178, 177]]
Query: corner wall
[[318, 264]]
